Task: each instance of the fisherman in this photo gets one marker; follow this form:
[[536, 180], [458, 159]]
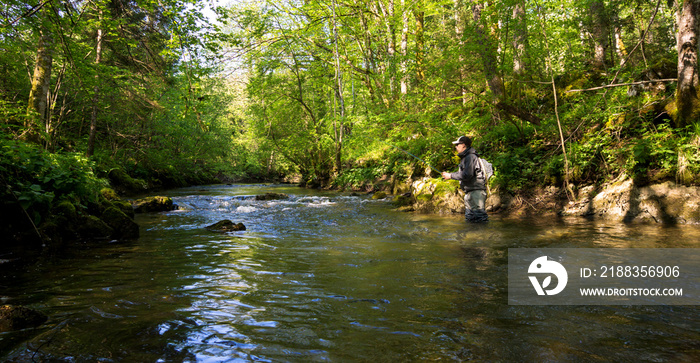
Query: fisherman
[[471, 180]]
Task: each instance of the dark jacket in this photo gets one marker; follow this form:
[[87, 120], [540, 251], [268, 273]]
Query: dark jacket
[[469, 174]]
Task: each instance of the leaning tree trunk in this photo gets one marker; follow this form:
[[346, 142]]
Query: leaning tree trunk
[[687, 91]]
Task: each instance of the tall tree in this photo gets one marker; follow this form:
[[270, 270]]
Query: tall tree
[[419, 13], [459, 34], [404, 48], [95, 97], [687, 102], [488, 51], [520, 39], [338, 125], [41, 78], [600, 30], [388, 12]]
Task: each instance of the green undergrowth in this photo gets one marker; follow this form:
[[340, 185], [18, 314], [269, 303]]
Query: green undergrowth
[[49, 198], [36, 180]]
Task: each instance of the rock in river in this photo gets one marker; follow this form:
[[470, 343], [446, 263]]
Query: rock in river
[[226, 226], [154, 204], [271, 196], [19, 317]]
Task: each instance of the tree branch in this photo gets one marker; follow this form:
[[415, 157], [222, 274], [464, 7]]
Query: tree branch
[[623, 84]]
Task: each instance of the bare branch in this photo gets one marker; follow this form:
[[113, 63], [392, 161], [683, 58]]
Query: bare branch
[[623, 84]]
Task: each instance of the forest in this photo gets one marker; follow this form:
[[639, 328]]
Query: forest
[[133, 95]]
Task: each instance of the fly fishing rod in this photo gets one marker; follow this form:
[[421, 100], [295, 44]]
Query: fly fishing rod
[[417, 158]]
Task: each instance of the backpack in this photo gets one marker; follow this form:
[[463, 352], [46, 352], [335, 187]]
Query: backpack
[[487, 171]]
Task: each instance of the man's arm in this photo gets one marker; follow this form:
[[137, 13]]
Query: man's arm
[[466, 172]]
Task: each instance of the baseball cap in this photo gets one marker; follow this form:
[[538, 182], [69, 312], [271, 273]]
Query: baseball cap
[[462, 140]]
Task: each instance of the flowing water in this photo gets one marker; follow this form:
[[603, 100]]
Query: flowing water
[[333, 277]]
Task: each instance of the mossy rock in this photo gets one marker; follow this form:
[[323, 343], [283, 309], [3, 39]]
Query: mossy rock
[[92, 227], [109, 194], [52, 231], [19, 317], [444, 188], [379, 195], [62, 224], [121, 180], [434, 195], [271, 196], [67, 210], [424, 198], [123, 226], [226, 226], [125, 207], [154, 204], [401, 187]]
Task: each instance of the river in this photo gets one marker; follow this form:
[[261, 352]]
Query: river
[[332, 277]]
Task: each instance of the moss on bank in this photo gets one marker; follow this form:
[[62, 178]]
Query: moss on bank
[[56, 199]]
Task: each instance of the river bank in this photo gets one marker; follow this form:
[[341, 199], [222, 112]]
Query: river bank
[[621, 201]]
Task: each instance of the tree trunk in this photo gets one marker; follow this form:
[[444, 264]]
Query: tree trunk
[[488, 53], [599, 30], [404, 48], [365, 44], [95, 97], [388, 14], [520, 40], [686, 92], [419, 13], [339, 94], [41, 80], [618, 44], [459, 34]]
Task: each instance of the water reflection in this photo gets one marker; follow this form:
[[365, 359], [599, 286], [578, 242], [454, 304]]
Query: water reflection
[[329, 277]]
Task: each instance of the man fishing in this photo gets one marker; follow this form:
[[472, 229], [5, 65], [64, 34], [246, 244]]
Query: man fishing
[[471, 180]]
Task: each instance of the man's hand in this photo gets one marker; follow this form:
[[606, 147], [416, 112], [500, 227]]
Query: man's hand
[[446, 175]]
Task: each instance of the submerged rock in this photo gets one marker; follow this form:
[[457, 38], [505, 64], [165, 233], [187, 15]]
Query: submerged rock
[[123, 226], [154, 204], [271, 196], [19, 317], [379, 195], [226, 226]]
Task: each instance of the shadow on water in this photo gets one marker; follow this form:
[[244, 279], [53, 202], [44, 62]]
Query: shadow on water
[[324, 276]]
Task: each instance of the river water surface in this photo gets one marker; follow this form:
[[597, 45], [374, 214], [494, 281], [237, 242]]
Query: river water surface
[[326, 276]]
